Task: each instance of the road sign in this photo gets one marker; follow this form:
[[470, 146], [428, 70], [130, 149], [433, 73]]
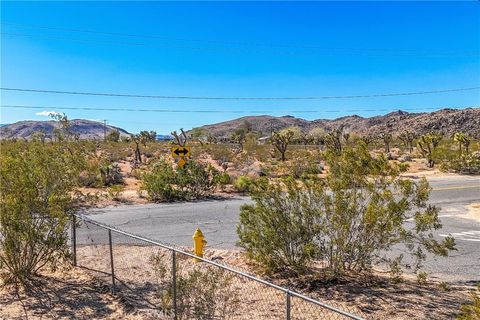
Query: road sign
[[179, 151], [181, 163]]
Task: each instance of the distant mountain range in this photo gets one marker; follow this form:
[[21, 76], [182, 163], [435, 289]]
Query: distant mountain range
[[86, 129], [447, 121]]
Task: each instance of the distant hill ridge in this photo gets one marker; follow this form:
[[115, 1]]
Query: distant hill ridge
[[447, 121], [86, 129]]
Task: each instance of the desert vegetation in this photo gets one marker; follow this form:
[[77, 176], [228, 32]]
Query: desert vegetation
[[326, 202]]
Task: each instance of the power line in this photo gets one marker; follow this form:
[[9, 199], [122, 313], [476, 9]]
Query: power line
[[219, 111], [238, 98], [244, 44]]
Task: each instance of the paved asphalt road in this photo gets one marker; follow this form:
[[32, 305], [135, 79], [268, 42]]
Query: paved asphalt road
[[175, 223]]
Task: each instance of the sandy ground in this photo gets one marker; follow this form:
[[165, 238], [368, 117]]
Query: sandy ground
[[65, 294], [84, 292], [372, 297], [473, 211]]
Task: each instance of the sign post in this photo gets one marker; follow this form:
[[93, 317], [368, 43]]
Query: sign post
[[181, 152]]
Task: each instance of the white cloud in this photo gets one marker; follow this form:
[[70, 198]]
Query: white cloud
[[47, 113]]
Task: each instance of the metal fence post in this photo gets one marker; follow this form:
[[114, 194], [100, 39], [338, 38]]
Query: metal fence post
[[74, 240], [287, 296], [111, 260], [174, 284]]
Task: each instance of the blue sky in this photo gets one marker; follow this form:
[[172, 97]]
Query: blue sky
[[232, 49]]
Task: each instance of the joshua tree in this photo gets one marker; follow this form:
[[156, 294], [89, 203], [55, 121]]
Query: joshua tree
[[138, 156], [333, 140], [317, 135], [463, 140], [387, 140], [239, 136], [367, 140], [181, 139], [281, 141], [147, 136], [408, 139], [427, 145]]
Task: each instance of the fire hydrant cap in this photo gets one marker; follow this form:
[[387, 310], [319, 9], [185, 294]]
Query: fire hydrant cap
[[198, 234]]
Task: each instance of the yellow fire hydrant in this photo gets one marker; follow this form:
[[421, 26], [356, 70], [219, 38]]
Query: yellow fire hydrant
[[198, 243]]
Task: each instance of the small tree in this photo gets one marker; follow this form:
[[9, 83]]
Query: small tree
[[36, 199], [180, 139], [349, 220], [239, 136], [367, 140], [138, 155], [333, 141], [463, 140], [408, 139], [147, 136], [387, 140], [64, 130], [427, 144], [281, 140], [316, 135]]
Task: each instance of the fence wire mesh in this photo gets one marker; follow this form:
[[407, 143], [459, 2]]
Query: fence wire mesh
[[165, 282]]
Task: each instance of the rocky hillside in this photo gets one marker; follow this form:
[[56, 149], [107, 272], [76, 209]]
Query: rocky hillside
[[86, 129], [447, 121]]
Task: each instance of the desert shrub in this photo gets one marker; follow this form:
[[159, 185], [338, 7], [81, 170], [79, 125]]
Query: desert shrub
[[113, 136], [223, 179], [115, 191], [242, 184], [36, 200], [196, 180], [464, 163], [350, 220], [220, 152], [471, 311], [193, 181], [110, 175], [87, 178], [159, 183], [202, 292]]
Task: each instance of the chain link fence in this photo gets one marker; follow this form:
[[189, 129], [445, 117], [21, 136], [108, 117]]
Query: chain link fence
[[165, 282]]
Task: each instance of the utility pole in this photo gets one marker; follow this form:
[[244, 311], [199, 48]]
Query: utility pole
[[104, 130]]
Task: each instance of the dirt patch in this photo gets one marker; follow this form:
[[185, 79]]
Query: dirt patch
[[370, 296], [66, 294]]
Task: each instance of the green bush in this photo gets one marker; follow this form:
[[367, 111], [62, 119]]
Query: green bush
[[242, 184], [471, 311], [193, 181], [203, 292], [36, 200], [196, 180], [223, 180], [110, 175], [159, 183], [466, 164], [347, 220]]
